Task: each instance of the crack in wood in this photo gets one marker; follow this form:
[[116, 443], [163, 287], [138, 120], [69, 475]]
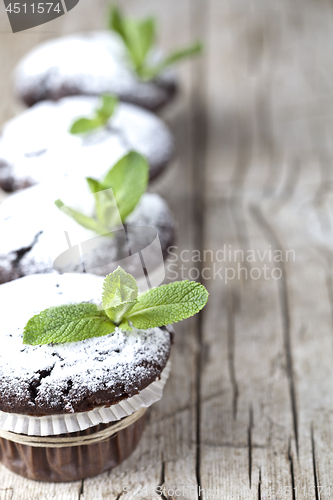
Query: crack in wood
[[259, 485], [231, 309], [244, 446], [284, 304], [249, 434], [329, 286], [315, 475], [323, 188], [289, 185], [292, 475], [243, 147], [264, 122], [80, 497], [198, 13], [237, 217], [162, 481]]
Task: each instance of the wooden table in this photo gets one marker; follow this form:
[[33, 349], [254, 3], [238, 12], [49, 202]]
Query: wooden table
[[248, 410]]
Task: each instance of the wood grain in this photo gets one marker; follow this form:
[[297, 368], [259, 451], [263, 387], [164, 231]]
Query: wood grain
[[247, 412]]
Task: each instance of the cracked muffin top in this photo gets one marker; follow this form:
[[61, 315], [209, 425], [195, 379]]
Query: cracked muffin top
[[46, 149], [91, 64], [77, 376]]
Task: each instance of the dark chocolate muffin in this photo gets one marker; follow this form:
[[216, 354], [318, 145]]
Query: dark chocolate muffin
[[37, 145], [36, 236], [88, 64], [76, 376]]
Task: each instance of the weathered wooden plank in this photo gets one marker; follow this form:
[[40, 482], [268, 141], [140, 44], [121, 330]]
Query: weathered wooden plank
[[311, 336], [257, 157]]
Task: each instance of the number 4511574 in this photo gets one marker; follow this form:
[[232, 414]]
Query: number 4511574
[[40, 8]]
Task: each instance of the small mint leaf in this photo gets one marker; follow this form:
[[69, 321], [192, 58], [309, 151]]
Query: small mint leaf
[[101, 116], [125, 326], [147, 33], [178, 55], [133, 42], [128, 179], [59, 204], [94, 185], [120, 292], [117, 313], [149, 73], [109, 104], [137, 36], [83, 220], [106, 209], [167, 304], [140, 36], [68, 323], [84, 125], [116, 22]]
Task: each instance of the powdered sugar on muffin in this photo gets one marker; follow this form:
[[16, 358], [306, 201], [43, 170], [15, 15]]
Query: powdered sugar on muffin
[[33, 231], [88, 64], [37, 144]]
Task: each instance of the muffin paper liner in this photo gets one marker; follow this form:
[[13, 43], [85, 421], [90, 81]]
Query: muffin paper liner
[[53, 425], [72, 463]]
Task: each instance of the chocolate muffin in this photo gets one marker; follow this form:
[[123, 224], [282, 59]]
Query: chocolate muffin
[[33, 235], [37, 145], [68, 385], [88, 64], [76, 376]]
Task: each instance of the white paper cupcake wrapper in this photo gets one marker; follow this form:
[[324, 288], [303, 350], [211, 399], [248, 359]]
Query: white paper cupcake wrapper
[[52, 425]]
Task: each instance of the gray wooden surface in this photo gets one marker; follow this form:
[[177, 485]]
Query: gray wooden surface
[[248, 410]]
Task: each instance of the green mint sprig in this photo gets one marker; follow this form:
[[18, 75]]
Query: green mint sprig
[[139, 38], [128, 179], [123, 307], [101, 116]]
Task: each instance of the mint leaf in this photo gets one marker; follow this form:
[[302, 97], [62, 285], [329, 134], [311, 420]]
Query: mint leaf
[[184, 53], [106, 209], [106, 205], [167, 304], [83, 125], [140, 37], [128, 180], [176, 56], [109, 104], [116, 196], [147, 33], [137, 36], [94, 185], [101, 116], [83, 220], [123, 307], [116, 23], [68, 323], [120, 292]]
